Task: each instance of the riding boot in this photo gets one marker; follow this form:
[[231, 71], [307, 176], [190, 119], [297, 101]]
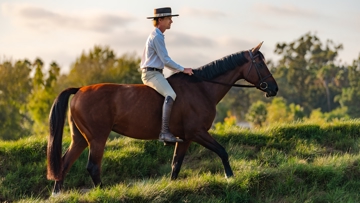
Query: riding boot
[[165, 134]]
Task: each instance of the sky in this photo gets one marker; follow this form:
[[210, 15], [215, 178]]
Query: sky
[[206, 30]]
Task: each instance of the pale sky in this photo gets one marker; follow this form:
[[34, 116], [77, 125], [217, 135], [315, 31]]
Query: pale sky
[[206, 30]]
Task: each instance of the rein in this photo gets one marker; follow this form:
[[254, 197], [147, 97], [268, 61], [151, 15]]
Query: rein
[[262, 85], [221, 83]]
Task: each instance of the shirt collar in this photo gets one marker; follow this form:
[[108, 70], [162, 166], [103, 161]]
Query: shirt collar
[[158, 31]]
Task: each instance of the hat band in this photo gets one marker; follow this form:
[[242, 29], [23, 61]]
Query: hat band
[[162, 14]]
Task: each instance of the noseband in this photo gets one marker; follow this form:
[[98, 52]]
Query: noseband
[[262, 84]]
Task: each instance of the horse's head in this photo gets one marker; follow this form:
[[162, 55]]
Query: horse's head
[[259, 74]]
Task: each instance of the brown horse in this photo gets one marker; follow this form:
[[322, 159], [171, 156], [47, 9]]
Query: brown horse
[[135, 111]]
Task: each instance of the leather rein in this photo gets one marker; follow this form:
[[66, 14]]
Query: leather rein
[[262, 84]]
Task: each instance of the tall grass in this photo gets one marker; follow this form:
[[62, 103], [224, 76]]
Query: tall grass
[[299, 162]]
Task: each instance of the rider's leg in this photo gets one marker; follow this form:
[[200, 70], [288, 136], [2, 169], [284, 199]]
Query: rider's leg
[[158, 82]]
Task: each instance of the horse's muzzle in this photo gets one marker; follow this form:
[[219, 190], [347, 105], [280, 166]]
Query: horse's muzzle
[[271, 92]]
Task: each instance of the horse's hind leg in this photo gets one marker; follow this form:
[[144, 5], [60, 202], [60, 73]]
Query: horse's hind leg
[[94, 162], [179, 154], [77, 146], [209, 142]]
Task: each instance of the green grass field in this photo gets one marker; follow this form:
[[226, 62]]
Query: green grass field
[[299, 162]]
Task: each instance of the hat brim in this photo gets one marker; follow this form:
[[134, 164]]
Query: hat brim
[[162, 16]]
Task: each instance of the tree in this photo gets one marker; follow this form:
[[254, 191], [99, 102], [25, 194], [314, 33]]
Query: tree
[[350, 96], [307, 70], [38, 76], [336, 114], [15, 85], [326, 75], [238, 101], [279, 111], [43, 95], [101, 65], [257, 113]]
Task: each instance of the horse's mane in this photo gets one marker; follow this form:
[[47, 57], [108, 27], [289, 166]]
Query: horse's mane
[[220, 66]]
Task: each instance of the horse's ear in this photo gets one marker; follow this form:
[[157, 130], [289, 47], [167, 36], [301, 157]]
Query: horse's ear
[[257, 48]]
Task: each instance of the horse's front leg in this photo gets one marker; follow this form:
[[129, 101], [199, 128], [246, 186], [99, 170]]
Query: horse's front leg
[[206, 140], [179, 154]]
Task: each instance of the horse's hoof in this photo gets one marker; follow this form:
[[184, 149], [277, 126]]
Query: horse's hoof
[[55, 194], [230, 179]]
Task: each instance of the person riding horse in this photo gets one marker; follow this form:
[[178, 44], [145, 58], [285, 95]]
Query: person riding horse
[[134, 110], [154, 58]]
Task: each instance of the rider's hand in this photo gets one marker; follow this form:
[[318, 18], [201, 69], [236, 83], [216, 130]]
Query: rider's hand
[[188, 71]]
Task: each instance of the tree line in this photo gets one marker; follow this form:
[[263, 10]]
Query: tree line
[[27, 90], [312, 82]]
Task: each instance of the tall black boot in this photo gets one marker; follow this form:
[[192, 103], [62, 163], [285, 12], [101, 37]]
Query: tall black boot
[[165, 134]]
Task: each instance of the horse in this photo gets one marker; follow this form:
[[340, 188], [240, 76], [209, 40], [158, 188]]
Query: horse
[[134, 110]]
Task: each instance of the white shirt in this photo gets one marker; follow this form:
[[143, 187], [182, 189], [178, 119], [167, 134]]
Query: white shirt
[[155, 54]]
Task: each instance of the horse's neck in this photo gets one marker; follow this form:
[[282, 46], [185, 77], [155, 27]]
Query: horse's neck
[[218, 91]]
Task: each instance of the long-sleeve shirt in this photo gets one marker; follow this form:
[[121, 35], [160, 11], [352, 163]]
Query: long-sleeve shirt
[[155, 54]]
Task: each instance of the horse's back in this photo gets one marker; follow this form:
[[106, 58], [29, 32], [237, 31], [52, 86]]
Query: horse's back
[[112, 95]]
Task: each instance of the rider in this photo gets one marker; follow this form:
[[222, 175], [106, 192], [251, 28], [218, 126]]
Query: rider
[[154, 58]]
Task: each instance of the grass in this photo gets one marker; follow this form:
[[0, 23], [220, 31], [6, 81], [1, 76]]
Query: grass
[[299, 162]]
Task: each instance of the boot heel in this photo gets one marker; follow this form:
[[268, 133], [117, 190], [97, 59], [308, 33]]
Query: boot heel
[[169, 143]]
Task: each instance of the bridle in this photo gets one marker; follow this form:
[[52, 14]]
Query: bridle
[[262, 84]]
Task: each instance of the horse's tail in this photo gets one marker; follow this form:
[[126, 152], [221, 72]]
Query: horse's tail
[[57, 121]]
